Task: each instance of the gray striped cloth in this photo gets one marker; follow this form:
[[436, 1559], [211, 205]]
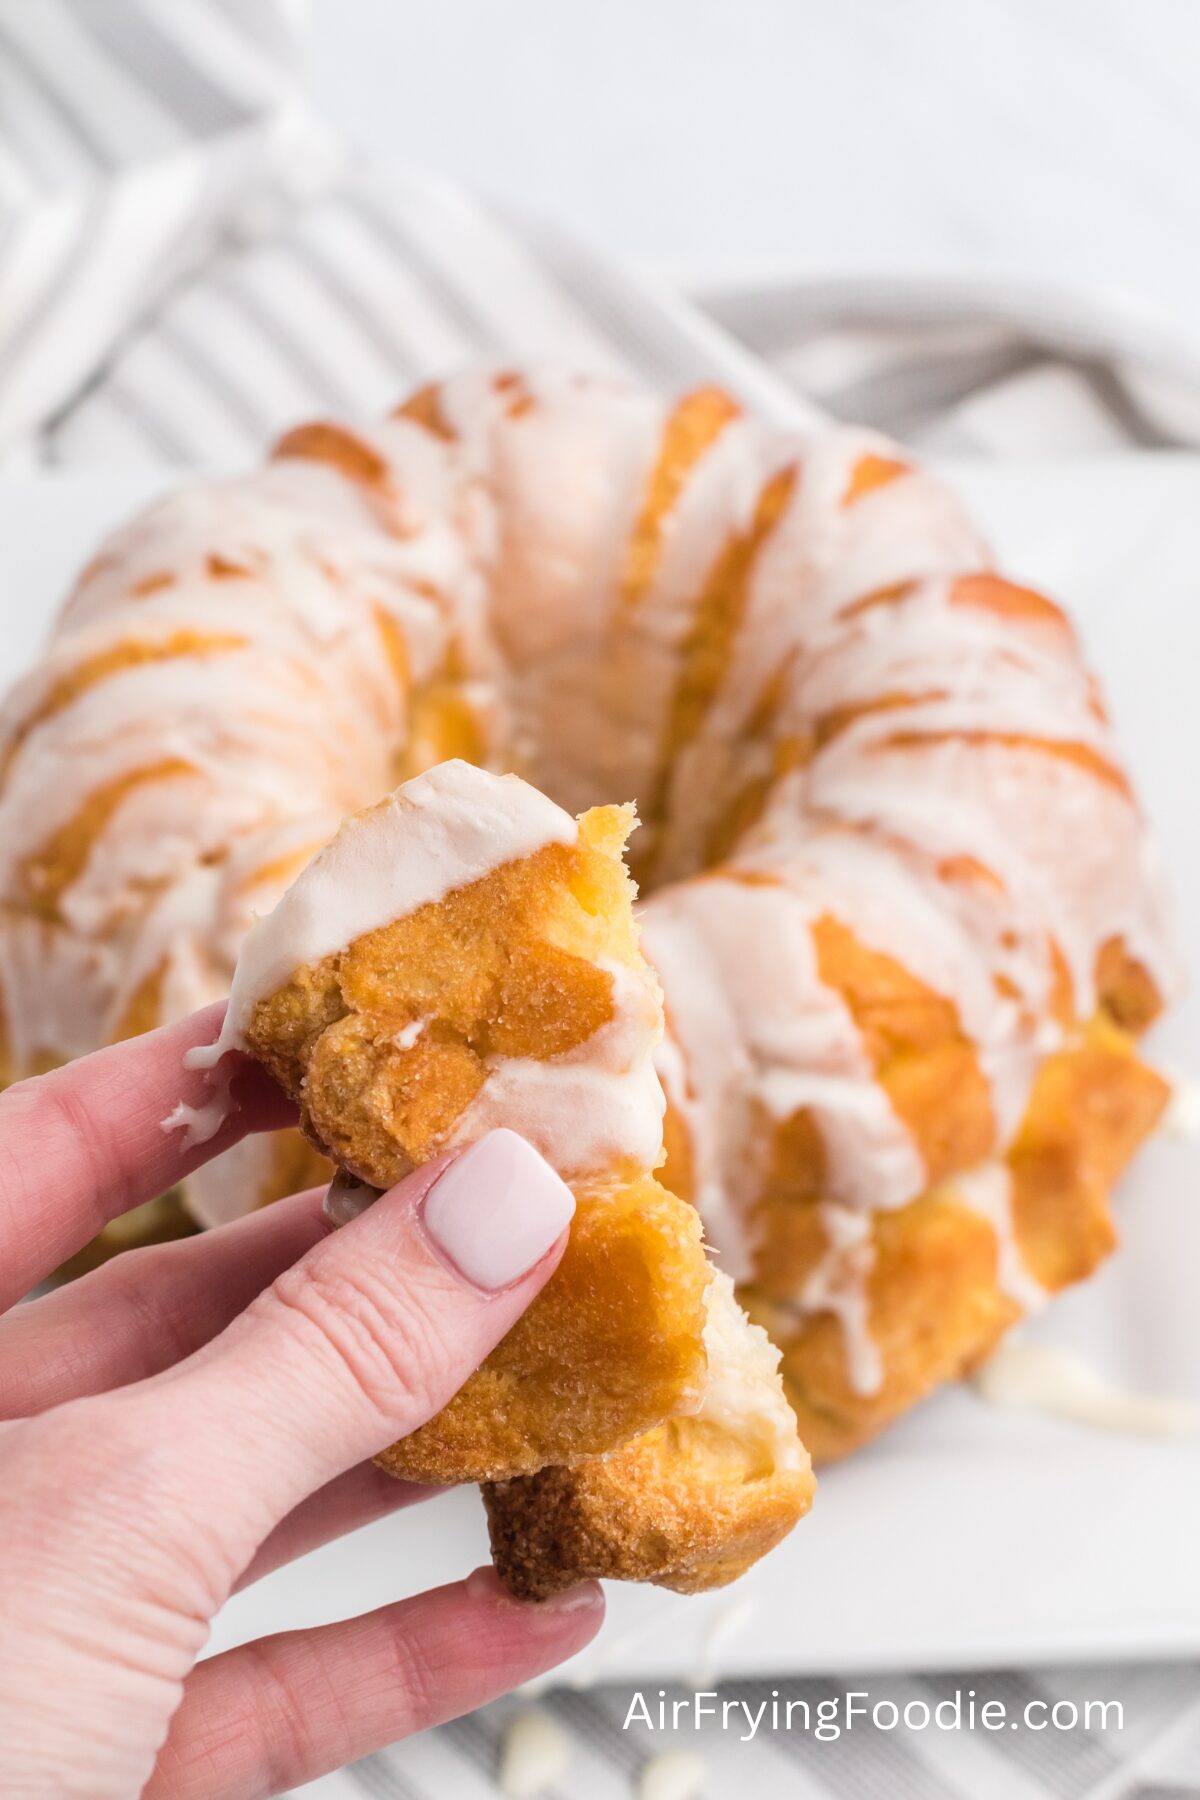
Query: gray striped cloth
[[189, 263]]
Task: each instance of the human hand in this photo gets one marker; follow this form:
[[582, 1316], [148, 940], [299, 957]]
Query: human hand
[[192, 1415]]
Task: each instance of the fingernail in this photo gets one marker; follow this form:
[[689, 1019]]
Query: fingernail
[[582, 1598], [497, 1209], [347, 1197], [485, 1584]]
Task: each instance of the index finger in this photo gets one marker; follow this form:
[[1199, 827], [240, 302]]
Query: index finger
[[90, 1141]]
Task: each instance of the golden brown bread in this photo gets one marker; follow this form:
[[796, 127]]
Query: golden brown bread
[[661, 1509], [632, 1423], [385, 1044], [936, 1304], [792, 652], [689, 1505], [611, 1345]]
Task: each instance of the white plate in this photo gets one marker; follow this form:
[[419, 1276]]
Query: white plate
[[967, 1536]]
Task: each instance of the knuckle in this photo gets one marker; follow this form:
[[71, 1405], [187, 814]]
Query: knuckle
[[384, 1340], [36, 1452], [163, 1330], [72, 1439], [297, 1716], [119, 1463], [416, 1676], [101, 1451], [83, 1467], [55, 1112]]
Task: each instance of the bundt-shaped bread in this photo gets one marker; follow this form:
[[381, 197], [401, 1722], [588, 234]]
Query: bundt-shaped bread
[[898, 889]]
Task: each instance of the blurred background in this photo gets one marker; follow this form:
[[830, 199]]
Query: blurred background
[[737, 140], [968, 224], [799, 164]]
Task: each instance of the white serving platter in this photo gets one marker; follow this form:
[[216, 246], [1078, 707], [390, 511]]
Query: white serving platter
[[968, 1536]]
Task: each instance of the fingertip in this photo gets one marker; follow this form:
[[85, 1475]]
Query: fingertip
[[498, 1211], [493, 1212], [584, 1597], [547, 1632], [484, 1585]]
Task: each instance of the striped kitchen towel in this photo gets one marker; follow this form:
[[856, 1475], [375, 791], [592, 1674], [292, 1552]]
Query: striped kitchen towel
[[574, 1745], [189, 263]]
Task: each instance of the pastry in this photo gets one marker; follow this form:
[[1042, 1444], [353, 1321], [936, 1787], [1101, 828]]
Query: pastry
[[897, 887], [460, 958]]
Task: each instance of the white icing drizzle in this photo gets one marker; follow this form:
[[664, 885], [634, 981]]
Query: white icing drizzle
[[408, 1034], [592, 1107], [1181, 1120], [1045, 1378], [729, 1619], [758, 1036], [198, 1123], [987, 1190], [65, 1016], [673, 1775], [838, 1285], [347, 1197], [500, 551], [439, 831]]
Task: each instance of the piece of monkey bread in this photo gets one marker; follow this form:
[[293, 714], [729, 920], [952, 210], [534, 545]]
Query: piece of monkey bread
[[689, 1505], [463, 956]]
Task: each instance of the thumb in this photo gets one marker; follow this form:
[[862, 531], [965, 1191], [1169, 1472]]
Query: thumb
[[365, 1338]]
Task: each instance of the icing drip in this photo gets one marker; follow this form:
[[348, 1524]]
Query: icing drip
[[593, 1107], [445, 829], [347, 1197], [1044, 1378], [1181, 1120], [200, 1124], [674, 1775], [408, 1034], [838, 1285], [197, 1123], [758, 1036], [725, 1622], [534, 1756], [988, 1192]]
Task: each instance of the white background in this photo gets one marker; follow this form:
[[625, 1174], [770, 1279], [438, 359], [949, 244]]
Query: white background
[[728, 139]]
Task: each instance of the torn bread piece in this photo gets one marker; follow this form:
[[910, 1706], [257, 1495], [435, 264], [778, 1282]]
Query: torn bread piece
[[689, 1505], [463, 956]]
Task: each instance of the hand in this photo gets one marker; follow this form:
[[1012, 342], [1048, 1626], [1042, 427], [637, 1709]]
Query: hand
[[192, 1415]]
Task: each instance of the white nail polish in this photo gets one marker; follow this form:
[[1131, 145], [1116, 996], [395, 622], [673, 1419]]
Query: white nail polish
[[497, 1209]]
